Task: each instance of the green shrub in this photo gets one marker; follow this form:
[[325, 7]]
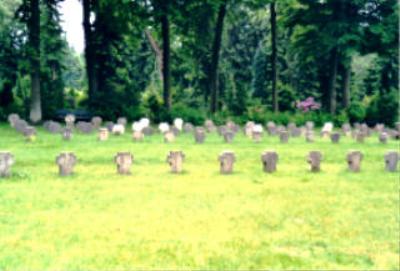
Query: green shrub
[[356, 112], [188, 114], [383, 109]]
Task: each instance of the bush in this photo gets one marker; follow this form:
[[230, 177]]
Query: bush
[[383, 109], [356, 112], [188, 114]]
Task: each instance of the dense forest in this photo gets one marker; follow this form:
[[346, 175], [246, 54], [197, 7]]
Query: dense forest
[[244, 60]]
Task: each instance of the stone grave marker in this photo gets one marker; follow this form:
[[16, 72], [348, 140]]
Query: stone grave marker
[[188, 128], [66, 162], [124, 162], [122, 121], [67, 134], [354, 159], [309, 136], [12, 119], [178, 123], [175, 160], [103, 134], [383, 137], [228, 136], [314, 159], [137, 136], [309, 125], [346, 129], [96, 122], [147, 131], [271, 128], [327, 129], [199, 135], [70, 120], [269, 160], [6, 161], [335, 137], [84, 127], [169, 137], [109, 125], [284, 137], [391, 159], [30, 133], [118, 129], [226, 159]]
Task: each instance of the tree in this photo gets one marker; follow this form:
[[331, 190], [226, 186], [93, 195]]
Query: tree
[[33, 26], [274, 57], [213, 75]]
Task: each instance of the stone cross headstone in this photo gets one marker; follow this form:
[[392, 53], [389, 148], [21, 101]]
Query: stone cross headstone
[[169, 137], [122, 121], [346, 129], [269, 160], [210, 126], [6, 161], [222, 130], [314, 159], [383, 137], [12, 119], [391, 159], [309, 125], [284, 137], [103, 134], [327, 129], [271, 128], [66, 162], [354, 159], [96, 122], [137, 136], [109, 125], [175, 160], [226, 159], [163, 127], [228, 136], [295, 132], [175, 131], [118, 129], [309, 136], [84, 127], [178, 123], [199, 135], [335, 137], [124, 162], [147, 131], [67, 134], [360, 136], [30, 133], [70, 120], [188, 127], [248, 129], [379, 127], [53, 127]]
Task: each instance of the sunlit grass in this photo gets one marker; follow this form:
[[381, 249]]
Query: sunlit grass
[[292, 219]]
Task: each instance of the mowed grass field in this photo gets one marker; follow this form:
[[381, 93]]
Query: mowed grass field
[[292, 219]]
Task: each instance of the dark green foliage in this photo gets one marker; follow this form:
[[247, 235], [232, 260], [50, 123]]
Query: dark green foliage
[[356, 112], [319, 45]]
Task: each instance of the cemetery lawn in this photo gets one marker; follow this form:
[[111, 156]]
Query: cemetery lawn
[[292, 219]]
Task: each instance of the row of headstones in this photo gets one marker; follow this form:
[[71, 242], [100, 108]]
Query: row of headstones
[[124, 160], [228, 131]]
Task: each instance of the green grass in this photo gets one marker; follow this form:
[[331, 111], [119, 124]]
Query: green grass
[[292, 219]]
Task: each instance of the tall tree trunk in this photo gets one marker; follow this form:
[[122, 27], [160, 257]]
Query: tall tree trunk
[[332, 81], [89, 51], [274, 58], [346, 86], [157, 52], [166, 56], [34, 44], [213, 76]]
